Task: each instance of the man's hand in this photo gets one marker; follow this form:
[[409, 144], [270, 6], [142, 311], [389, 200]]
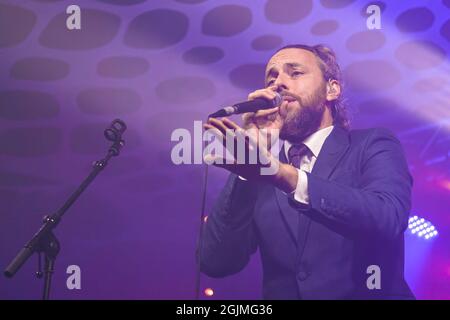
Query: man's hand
[[285, 176], [263, 119]]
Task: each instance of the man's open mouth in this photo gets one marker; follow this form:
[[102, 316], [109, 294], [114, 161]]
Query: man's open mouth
[[289, 98]]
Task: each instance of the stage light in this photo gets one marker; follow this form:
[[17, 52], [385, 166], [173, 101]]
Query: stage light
[[422, 228], [209, 292], [445, 184]]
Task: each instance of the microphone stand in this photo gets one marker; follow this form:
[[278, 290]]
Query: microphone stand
[[44, 241]]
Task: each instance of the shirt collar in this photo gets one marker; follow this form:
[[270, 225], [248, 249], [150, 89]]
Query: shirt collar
[[314, 142]]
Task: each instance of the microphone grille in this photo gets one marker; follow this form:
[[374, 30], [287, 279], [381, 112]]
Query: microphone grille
[[277, 100]]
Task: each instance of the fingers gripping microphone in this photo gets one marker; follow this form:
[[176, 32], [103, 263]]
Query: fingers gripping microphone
[[248, 106]]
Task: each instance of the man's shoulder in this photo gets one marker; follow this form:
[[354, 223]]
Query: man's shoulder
[[363, 135]]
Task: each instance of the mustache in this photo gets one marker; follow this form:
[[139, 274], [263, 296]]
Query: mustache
[[286, 95]]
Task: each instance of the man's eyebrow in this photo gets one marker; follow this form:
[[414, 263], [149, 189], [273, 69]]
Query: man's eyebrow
[[288, 64], [295, 65]]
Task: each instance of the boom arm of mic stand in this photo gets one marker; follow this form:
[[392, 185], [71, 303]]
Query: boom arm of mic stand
[[39, 241]]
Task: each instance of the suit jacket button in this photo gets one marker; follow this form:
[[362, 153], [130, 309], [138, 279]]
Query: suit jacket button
[[302, 275]]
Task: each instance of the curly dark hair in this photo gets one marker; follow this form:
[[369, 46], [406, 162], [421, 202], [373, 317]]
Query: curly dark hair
[[330, 71]]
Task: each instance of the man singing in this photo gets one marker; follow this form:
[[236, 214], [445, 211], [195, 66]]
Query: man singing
[[329, 223]]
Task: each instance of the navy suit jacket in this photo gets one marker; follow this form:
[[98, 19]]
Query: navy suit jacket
[[359, 202]]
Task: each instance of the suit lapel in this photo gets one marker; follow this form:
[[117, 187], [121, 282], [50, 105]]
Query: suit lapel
[[288, 214], [332, 150]]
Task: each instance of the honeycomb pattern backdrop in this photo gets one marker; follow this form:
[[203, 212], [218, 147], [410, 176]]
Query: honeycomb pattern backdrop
[[160, 65]]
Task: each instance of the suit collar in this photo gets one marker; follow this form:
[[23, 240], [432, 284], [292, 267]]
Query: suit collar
[[333, 149], [336, 142], [314, 142]]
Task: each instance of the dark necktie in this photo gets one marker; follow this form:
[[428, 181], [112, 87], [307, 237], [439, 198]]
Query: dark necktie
[[296, 153]]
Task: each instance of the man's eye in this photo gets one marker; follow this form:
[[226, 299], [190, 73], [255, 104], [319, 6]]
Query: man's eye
[[296, 73], [269, 83]]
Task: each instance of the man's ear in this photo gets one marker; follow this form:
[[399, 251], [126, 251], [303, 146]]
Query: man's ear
[[333, 90]]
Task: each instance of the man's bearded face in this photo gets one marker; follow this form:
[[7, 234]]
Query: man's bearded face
[[298, 77]]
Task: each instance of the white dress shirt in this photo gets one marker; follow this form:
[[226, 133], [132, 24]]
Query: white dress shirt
[[314, 143]]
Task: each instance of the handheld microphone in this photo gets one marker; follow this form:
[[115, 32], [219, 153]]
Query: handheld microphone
[[248, 106]]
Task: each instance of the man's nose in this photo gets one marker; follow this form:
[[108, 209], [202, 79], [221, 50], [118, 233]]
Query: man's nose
[[281, 84]]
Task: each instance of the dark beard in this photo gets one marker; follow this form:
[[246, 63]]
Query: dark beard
[[305, 121]]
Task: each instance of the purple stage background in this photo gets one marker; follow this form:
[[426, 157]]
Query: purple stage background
[[159, 65]]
